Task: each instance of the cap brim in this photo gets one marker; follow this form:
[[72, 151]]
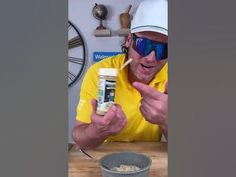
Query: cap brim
[[150, 28]]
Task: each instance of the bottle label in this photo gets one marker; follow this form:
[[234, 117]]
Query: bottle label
[[106, 94]]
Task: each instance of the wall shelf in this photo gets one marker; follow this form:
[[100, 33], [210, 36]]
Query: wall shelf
[[124, 32], [102, 33], [108, 33]]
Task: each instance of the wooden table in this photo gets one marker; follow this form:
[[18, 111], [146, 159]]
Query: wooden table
[[79, 165]]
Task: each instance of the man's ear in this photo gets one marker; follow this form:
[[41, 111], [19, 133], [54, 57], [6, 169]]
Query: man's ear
[[128, 40]]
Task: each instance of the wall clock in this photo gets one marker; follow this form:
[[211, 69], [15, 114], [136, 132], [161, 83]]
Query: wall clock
[[76, 54]]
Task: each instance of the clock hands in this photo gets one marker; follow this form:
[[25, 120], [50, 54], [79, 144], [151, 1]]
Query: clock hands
[[75, 60], [75, 42]]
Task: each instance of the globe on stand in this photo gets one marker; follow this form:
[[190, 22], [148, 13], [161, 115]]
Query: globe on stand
[[100, 12]]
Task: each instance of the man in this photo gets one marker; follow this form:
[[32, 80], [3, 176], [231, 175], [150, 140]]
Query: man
[[140, 112]]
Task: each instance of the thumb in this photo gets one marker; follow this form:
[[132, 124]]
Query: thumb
[[94, 104]]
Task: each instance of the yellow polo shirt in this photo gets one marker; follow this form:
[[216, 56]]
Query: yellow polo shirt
[[137, 128]]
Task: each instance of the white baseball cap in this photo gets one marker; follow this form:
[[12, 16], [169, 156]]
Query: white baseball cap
[[151, 15]]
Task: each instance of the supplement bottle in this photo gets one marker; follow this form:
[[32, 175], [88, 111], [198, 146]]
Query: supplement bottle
[[106, 89]]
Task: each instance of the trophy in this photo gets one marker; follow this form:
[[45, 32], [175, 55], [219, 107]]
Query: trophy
[[125, 19], [100, 13]]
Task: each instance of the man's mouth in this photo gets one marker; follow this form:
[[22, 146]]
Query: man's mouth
[[145, 66]]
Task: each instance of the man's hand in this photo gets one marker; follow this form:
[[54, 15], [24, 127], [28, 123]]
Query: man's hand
[[153, 105], [109, 124]]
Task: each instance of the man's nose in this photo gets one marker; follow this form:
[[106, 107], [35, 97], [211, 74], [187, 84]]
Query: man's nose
[[151, 56]]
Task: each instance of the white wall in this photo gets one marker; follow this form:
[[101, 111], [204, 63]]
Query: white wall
[[80, 13]]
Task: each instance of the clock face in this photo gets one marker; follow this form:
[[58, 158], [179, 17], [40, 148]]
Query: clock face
[[76, 54]]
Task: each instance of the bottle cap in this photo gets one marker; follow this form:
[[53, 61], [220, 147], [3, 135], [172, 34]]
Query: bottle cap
[[107, 71]]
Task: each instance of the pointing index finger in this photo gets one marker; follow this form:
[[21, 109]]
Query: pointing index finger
[[146, 91]]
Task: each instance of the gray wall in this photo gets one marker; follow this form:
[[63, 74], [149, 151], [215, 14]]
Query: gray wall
[[80, 13]]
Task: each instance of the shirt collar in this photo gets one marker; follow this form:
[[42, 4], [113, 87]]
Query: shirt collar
[[160, 76]]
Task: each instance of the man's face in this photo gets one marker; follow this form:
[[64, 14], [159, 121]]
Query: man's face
[[144, 68]]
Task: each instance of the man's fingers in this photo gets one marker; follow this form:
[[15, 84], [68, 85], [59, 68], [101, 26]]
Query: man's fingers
[[120, 114], [147, 101], [144, 111], [110, 114], [145, 90]]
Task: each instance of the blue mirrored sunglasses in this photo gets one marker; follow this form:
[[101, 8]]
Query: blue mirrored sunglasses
[[145, 46]]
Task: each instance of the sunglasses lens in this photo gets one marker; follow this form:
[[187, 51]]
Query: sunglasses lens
[[145, 46], [161, 51], [140, 46]]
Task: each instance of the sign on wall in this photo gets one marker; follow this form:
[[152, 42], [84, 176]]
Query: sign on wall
[[97, 56]]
